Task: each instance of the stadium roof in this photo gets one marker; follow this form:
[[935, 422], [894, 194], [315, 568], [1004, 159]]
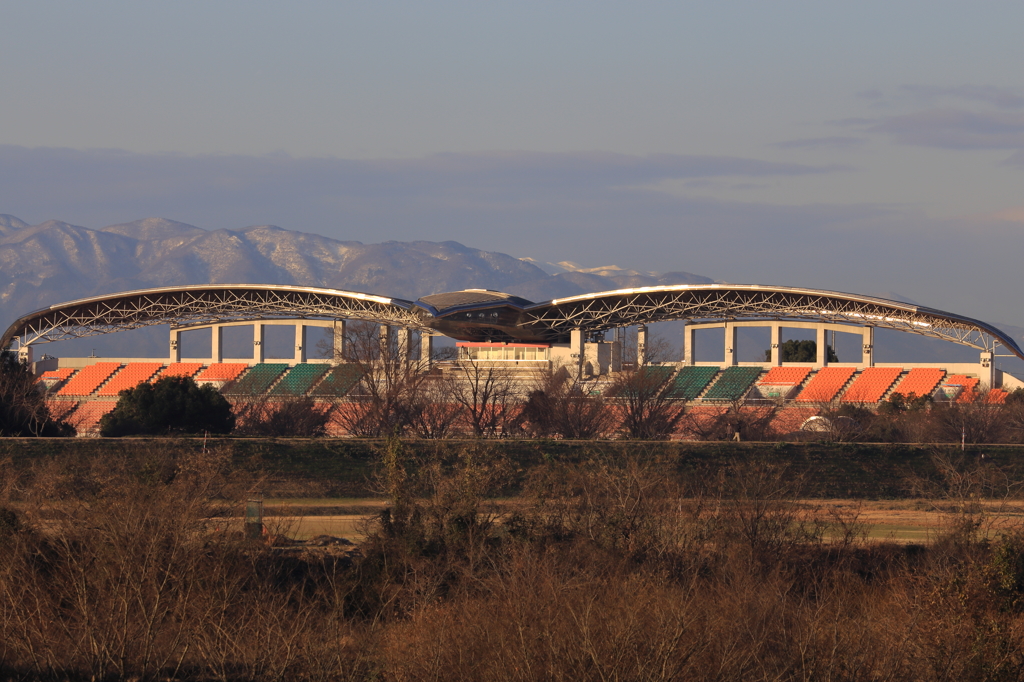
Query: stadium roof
[[483, 315]]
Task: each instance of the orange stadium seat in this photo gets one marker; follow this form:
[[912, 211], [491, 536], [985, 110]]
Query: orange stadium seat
[[969, 385], [786, 375], [180, 369], [920, 381], [996, 396], [222, 371], [872, 384], [825, 385], [61, 409], [88, 379], [133, 374], [57, 375], [86, 418]]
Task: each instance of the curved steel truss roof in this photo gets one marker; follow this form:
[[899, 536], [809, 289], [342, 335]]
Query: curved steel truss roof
[[496, 317], [189, 306], [710, 302]]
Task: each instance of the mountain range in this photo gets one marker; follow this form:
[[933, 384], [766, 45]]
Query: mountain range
[[53, 262]]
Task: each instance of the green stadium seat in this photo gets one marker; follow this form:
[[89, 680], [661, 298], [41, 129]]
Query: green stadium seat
[[733, 384], [258, 379], [299, 380], [690, 382], [338, 382]]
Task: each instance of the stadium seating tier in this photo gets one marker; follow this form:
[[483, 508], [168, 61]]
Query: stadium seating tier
[[920, 381], [733, 384], [825, 385], [222, 371], [690, 382], [299, 380], [88, 379], [872, 384], [258, 379], [133, 374]]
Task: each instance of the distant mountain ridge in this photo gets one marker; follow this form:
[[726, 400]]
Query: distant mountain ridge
[[54, 261]]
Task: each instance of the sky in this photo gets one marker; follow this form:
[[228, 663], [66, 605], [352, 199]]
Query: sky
[[872, 147]]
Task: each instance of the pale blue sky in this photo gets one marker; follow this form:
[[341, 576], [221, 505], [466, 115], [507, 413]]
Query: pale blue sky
[[868, 146]]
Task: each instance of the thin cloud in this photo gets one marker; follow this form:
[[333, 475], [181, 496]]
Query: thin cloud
[[833, 142], [1003, 98], [953, 129]]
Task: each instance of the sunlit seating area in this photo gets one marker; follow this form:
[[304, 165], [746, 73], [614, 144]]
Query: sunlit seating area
[[793, 376], [871, 384], [826, 384], [221, 372], [133, 374], [338, 382], [733, 384], [690, 382], [88, 379], [920, 381], [180, 369]]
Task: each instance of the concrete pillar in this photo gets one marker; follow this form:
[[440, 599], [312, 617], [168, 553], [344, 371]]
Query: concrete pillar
[[576, 350], [175, 355], [217, 343], [867, 358], [987, 369], [300, 342], [689, 345], [776, 345], [258, 342], [616, 360], [340, 330], [427, 350], [384, 340], [730, 345], [26, 354], [821, 342], [641, 345], [404, 345]]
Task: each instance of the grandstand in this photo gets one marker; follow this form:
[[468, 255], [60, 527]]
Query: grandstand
[[299, 380], [524, 340], [257, 379], [733, 384], [871, 384], [133, 374], [920, 381], [690, 382], [826, 384]]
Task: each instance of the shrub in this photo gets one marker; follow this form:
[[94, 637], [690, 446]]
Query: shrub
[[172, 405]]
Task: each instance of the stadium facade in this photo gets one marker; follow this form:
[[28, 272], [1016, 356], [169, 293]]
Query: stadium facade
[[494, 327]]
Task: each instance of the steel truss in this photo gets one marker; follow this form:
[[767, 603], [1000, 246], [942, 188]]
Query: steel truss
[[199, 305], [552, 321], [708, 303]]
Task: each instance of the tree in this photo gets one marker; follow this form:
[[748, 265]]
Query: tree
[[647, 412], [800, 351], [23, 410], [566, 404], [169, 405], [487, 395], [384, 401], [287, 417]]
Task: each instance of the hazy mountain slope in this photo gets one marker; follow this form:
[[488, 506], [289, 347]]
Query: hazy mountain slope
[[53, 262]]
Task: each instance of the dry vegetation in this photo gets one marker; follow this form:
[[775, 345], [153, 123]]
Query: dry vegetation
[[606, 569]]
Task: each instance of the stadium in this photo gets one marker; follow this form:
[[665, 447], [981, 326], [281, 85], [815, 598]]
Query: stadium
[[585, 335]]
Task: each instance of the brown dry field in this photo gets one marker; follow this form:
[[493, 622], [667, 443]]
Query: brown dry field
[[900, 521]]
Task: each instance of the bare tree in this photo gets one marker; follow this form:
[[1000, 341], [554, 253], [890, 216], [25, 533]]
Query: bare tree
[[286, 416], [970, 418], [569, 405], [647, 412], [487, 394], [389, 379], [434, 414], [23, 410]]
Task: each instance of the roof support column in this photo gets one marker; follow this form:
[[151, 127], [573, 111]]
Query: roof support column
[[689, 345], [776, 358], [641, 345], [384, 342], [404, 346], [339, 340], [822, 342], [730, 345], [616, 363], [259, 354], [427, 350], [987, 369], [175, 355], [300, 342], [217, 343], [867, 358], [576, 350]]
